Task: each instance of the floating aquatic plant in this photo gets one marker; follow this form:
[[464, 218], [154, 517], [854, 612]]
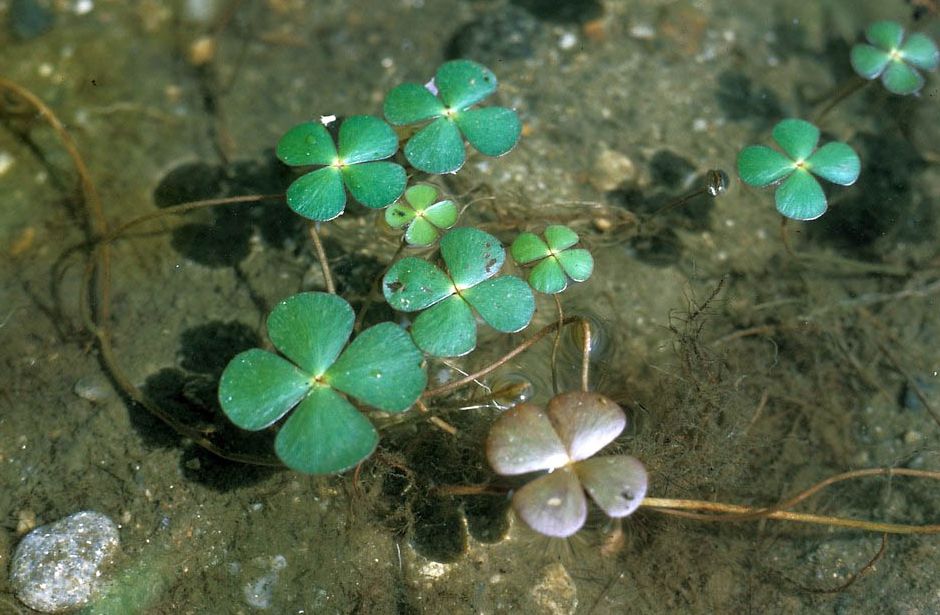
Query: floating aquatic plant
[[325, 433], [355, 163], [422, 215], [563, 440], [798, 195], [555, 259], [447, 327], [446, 105], [895, 58]]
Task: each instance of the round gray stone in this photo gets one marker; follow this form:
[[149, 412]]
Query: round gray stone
[[56, 567]]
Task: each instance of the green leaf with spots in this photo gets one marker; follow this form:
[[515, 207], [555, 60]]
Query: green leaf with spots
[[325, 433]]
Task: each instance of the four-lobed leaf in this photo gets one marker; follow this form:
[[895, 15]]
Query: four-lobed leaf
[[895, 58], [445, 105], [355, 163], [798, 195], [422, 215], [325, 433], [563, 441], [554, 257], [447, 326]]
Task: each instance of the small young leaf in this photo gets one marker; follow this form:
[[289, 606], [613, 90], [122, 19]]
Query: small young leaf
[[920, 50], [319, 195], [375, 184], [869, 62], [463, 83], [577, 263], [759, 165], [420, 233], [325, 435], [559, 237], [523, 440], [307, 143], [901, 79], [885, 34], [398, 215], [364, 138], [617, 484], [381, 367], [493, 131], [446, 329], [505, 303], [548, 277], [528, 247], [798, 138], [835, 162], [553, 504], [421, 196], [801, 197], [257, 388], [311, 329], [410, 103], [442, 214], [437, 148]]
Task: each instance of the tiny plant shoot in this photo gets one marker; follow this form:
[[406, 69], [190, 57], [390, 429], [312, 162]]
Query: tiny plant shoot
[[445, 108]]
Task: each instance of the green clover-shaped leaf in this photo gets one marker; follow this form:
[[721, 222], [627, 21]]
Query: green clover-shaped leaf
[[357, 164], [446, 103], [422, 215], [894, 58], [325, 434], [563, 440], [799, 195], [447, 327], [555, 259]]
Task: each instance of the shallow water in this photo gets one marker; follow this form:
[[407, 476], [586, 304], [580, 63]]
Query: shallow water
[[748, 371]]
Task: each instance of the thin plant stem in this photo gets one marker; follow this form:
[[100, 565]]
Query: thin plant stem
[[585, 354], [95, 295], [842, 92], [717, 511], [372, 291], [444, 389], [321, 256], [555, 343]]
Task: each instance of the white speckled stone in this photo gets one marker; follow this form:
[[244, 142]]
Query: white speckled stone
[[56, 567]]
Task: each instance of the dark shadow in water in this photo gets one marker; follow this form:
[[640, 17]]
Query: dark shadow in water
[[224, 239], [570, 11], [880, 207], [434, 459], [657, 240], [739, 100], [189, 395], [505, 32]]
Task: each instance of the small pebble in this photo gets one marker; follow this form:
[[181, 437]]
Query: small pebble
[[259, 592], [556, 592], [6, 161], [94, 388], [25, 521], [57, 567], [612, 169]]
